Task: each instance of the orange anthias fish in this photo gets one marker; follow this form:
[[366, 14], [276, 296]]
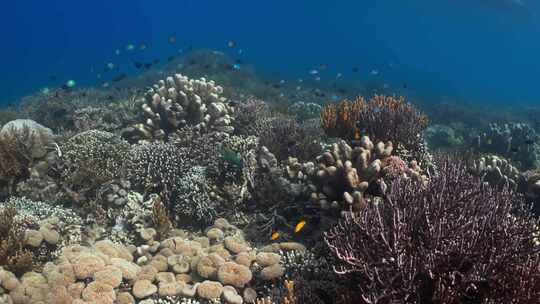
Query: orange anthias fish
[[299, 226], [274, 236]]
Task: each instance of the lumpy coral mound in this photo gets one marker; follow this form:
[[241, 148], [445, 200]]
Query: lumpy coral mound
[[454, 241]]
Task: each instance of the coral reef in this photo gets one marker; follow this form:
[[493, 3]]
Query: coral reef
[[344, 175], [33, 137], [305, 110], [14, 166], [495, 170], [65, 110], [529, 184], [193, 201], [186, 192], [285, 137], [443, 137], [383, 118], [182, 267], [179, 101], [248, 113], [156, 168], [13, 255], [23, 144], [456, 240], [514, 141], [90, 159]]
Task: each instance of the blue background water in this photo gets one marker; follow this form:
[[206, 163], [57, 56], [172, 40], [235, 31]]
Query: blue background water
[[474, 50]]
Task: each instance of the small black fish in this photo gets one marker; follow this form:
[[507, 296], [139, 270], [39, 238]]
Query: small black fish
[[156, 61], [276, 86], [342, 91], [514, 149], [355, 69], [147, 65], [207, 66], [405, 85], [192, 62], [119, 77], [239, 61], [529, 142], [138, 65], [171, 58]]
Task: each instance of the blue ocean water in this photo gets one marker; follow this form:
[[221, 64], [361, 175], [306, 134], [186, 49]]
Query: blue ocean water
[[483, 51]]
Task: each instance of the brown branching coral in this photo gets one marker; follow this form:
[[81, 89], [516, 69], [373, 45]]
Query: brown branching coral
[[383, 118], [457, 240], [160, 218], [13, 256], [14, 164]]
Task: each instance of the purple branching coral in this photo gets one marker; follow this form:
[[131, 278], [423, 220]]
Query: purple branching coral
[[454, 241]]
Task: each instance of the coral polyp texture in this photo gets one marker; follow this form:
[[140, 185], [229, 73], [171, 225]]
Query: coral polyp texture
[[179, 101], [457, 240], [382, 118]]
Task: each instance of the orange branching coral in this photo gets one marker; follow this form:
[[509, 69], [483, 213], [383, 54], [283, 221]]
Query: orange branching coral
[[383, 118], [341, 120], [290, 297]]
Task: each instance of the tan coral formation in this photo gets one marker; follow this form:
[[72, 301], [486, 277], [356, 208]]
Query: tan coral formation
[[345, 173], [179, 101], [495, 170]]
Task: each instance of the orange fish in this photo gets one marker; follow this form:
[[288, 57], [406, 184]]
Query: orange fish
[[274, 236], [299, 226]]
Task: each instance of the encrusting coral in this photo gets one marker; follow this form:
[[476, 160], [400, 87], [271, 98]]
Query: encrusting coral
[[179, 101]]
